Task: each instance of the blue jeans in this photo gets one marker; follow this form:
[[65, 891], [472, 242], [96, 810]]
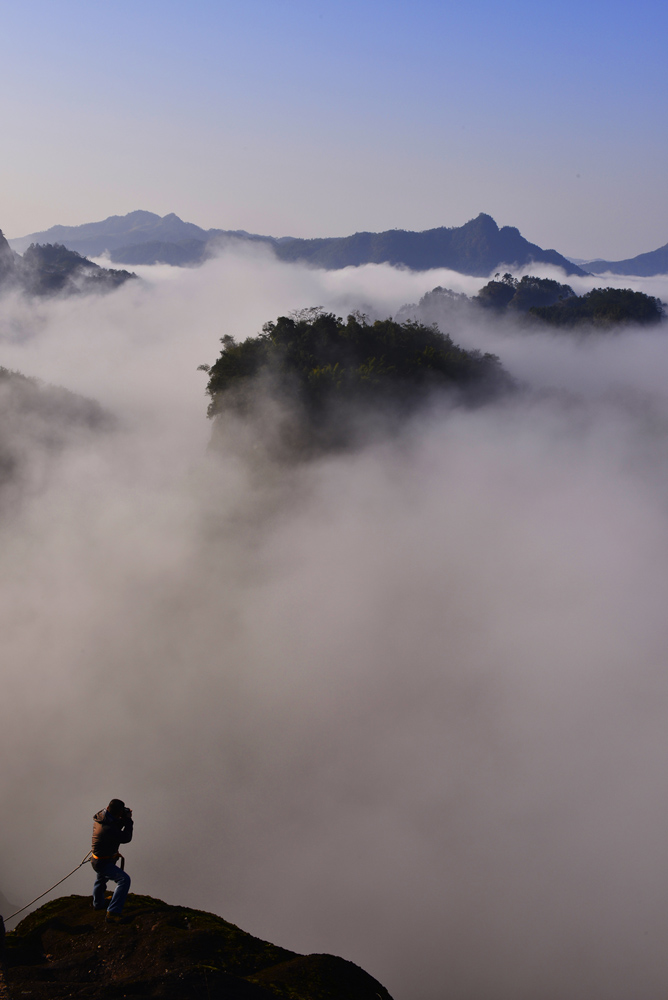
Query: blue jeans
[[107, 870]]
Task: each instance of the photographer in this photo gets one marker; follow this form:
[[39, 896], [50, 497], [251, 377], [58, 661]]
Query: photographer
[[111, 828]]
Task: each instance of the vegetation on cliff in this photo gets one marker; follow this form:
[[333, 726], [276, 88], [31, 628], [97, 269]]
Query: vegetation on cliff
[[51, 268]]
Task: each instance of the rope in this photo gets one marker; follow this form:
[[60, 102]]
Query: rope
[[80, 865]]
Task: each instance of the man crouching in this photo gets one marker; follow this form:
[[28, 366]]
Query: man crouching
[[111, 828]]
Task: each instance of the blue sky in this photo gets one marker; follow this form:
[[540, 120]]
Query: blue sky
[[323, 118]]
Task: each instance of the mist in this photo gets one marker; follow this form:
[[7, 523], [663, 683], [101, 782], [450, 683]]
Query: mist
[[405, 704]]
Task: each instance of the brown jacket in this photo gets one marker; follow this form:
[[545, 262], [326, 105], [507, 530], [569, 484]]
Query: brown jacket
[[109, 833]]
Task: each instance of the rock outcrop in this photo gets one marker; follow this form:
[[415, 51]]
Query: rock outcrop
[[66, 950]]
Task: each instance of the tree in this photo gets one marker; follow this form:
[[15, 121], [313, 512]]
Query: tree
[[496, 294]]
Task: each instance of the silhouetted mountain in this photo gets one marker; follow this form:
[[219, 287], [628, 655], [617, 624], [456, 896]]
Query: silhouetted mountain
[[93, 238], [121, 235], [65, 950], [181, 254], [645, 264], [479, 247]]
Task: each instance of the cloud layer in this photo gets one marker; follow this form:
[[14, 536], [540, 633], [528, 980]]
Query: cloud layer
[[406, 705]]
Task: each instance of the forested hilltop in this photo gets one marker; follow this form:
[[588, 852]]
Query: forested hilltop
[[534, 303], [548, 301], [52, 268], [323, 372]]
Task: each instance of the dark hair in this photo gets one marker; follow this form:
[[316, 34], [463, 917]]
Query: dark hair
[[116, 807]]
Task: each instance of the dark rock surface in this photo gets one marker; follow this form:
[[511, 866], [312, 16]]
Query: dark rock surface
[[66, 950], [4, 987]]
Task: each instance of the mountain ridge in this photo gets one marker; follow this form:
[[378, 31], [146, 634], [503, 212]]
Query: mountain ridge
[[478, 247], [93, 238], [644, 265]]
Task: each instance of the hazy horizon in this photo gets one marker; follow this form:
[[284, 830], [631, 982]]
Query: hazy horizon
[[405, 704], [18, 236]]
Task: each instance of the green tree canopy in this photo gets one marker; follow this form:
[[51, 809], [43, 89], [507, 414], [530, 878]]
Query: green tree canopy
[[523, 294], [317, 355], [325, 365], [602, 307]]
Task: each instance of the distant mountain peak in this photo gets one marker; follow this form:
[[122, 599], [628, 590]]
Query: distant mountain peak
[[95, 238], [485, 220], [478, 247], [136, 216]]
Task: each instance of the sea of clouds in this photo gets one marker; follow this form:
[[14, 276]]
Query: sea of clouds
[[407, 704]]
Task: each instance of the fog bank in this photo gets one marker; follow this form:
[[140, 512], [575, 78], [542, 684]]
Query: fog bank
[[406, 705]]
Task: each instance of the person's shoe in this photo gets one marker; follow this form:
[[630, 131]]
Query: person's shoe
[[98, 907], [116, 918]]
